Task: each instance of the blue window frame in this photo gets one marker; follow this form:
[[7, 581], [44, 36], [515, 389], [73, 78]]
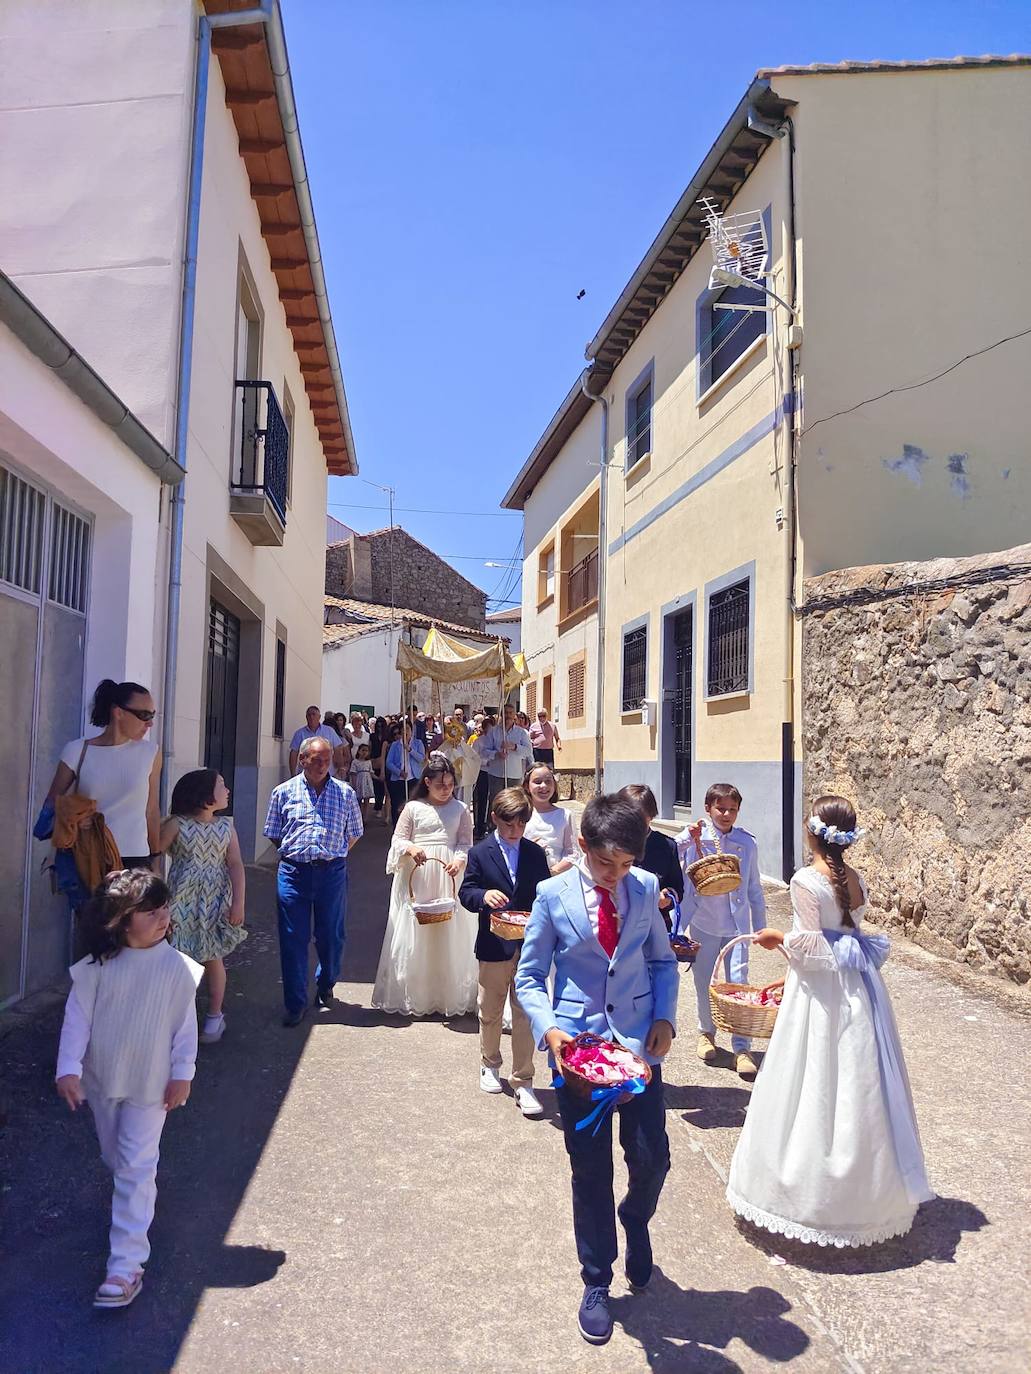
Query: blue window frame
[[639, 400]]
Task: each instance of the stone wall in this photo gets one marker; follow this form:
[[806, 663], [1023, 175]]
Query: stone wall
[[423, 582], [917, 706]]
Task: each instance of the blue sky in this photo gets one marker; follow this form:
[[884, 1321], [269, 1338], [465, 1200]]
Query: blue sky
[[475, 165]]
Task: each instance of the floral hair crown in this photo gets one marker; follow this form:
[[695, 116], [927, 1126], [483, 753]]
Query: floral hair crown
[[832, 834]]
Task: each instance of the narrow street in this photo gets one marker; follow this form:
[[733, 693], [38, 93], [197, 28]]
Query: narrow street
[[343, 1198]]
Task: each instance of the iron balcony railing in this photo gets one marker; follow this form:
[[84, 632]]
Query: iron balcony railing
[[583, 582], [264, 457], [728, 640]]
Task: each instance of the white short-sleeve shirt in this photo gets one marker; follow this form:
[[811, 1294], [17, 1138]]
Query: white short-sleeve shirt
[[117, 777]]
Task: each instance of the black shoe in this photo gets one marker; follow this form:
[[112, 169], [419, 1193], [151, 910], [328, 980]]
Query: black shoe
[[294, 1018], [594, 1317], [638, 1258], [323, 995]]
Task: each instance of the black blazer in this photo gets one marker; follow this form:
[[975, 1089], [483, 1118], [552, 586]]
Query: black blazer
[[486, 869], [662, 859]]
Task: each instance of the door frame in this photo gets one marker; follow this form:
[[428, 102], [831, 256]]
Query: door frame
[[666, 742]]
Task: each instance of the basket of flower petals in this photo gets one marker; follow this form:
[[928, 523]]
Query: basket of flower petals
[[741, 1008], [587, 1063], [509, 925], [432, 911]]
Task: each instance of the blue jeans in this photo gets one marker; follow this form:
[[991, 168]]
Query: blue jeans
[[642, 1135], [304, 891], [735, 968]]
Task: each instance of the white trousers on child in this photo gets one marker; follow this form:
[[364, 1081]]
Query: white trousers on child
[[735, 966], [129, 1137]]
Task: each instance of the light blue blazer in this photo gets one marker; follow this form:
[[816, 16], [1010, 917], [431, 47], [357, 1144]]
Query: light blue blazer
[[747, 902], [617, 998]]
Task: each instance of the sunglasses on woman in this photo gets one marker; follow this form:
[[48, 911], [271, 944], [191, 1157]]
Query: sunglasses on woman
[[145, 716]]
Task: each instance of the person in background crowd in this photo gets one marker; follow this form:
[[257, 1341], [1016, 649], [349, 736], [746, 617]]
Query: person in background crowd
[[523, 719], [119, 770], [507, 753], [480, 791], [459, 714], [314, 821], [360, 777], [378, 754], [661, 855], [545, 739], [434, 734], [550, 826], [315, 729], [359, 731], [405, 760]]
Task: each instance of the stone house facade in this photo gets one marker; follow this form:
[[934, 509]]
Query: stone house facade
[[360, 567]]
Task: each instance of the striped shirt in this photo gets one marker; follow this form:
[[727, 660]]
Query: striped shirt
[[313, 825]]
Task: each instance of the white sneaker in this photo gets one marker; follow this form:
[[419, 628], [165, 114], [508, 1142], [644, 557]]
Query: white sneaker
[[526, 1101], [214, 1029], [489, 1080]]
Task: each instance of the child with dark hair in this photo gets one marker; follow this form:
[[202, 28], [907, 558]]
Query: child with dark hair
[[504, 872], [715, 921], [207, 884], [128, 1046], [615, 976], [830, 1152], [661, 856]]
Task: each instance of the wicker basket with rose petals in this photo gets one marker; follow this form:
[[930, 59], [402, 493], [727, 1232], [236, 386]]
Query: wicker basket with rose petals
[[433, 911], [714, 874], [587, 1062], [742, 1008], [509, 925]]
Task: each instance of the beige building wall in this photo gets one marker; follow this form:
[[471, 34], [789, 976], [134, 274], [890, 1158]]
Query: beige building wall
[[914, 201]]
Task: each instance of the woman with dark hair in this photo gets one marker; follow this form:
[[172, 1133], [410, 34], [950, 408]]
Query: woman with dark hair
[[377, 752], [428, 969], [119, 769]]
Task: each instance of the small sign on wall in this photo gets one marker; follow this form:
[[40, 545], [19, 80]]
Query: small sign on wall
[[361, 710]]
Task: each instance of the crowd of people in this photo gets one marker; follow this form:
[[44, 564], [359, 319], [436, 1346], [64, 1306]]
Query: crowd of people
[[507, 910]]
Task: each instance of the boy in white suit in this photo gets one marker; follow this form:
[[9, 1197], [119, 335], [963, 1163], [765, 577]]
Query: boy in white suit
[[716, 920], [615, 975]]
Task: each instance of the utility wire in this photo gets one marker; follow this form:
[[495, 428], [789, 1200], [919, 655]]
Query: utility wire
[[421, 510]]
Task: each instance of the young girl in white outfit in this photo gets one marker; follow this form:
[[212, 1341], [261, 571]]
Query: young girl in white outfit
[[361, 777], [830, 1153], [128, 1046], [549, 825]]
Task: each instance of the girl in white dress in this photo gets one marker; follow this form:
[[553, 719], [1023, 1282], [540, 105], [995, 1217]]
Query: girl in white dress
[[549, 826], [830, 1153], [429, 969]]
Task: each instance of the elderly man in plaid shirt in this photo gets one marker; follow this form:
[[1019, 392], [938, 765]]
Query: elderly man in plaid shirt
[[314, 821]]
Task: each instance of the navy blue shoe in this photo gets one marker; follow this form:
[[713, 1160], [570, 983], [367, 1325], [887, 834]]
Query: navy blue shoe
[[294, 1018], [595, 1319]]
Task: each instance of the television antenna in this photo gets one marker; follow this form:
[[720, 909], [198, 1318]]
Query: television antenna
[[740, 255]]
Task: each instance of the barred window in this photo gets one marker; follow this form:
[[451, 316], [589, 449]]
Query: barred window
[[576, 700], [635, 662], [639, 423], [531, 699], [69, 560], [279, 705], [728, 640], [22, 509]]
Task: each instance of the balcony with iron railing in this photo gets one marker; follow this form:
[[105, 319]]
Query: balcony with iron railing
[[260, 464]]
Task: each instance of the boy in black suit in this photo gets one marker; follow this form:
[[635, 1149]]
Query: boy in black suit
[[503, 871], [660, 851]]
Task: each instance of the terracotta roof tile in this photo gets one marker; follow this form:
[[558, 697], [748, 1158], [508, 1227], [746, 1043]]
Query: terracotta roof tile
[[369, 617]]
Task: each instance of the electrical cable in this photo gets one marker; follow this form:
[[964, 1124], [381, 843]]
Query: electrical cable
[[421, 510], [865, 596]]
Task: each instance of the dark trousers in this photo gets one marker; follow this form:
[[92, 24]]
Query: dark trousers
[[544, 756], [379, 791], [400, 791], [481, 804], [307, 893], [642, 1135]]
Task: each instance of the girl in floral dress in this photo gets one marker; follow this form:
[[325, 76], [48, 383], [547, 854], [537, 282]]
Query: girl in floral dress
[[207, 883]]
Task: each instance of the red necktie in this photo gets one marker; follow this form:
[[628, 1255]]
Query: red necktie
[[608, 933]]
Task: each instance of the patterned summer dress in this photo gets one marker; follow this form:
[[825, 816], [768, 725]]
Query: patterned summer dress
[[202, 893]]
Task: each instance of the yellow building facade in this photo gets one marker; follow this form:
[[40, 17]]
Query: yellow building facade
[[730, 453]]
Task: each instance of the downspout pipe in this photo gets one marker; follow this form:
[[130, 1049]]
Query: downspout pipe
[[205, 24], [788, 799], [603, 511]]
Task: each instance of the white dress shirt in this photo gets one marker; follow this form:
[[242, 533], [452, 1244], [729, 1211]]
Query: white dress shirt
[[592, 901]]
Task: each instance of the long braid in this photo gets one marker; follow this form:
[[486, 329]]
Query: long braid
[[839, 813], [836, 864]]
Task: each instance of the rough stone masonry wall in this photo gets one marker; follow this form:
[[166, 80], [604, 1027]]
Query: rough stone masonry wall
[[918, 707], [423, 582]]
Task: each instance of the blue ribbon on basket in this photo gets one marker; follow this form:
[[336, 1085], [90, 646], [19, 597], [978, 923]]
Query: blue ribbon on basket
[[606, 1098]]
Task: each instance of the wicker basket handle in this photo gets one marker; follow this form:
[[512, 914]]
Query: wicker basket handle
[[737, 940], [430, 859]]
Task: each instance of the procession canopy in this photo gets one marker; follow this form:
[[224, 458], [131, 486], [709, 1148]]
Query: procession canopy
[[445, 658]]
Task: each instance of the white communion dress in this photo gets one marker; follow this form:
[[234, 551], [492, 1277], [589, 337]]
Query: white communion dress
[[830, 1153], [428, 969]]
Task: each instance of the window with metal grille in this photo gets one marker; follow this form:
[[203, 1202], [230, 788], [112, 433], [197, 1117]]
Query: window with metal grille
[[639, 423], [279, 700], [531, 699], [635, 662], [22, 510], [576, 701], [69, 560], [728, 640]]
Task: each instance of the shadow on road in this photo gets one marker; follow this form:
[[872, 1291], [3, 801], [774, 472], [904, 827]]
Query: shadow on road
[[709, 1108], [56, 1194], [934, 1239], [674, 1325]]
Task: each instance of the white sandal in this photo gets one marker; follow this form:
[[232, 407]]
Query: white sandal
[[117, 1290]]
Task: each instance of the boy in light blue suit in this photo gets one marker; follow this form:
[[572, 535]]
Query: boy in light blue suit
[[615, 975], [714, 921]]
